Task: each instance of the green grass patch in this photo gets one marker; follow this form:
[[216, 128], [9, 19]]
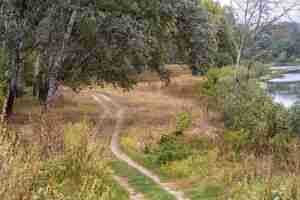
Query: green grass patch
[[205, 192], [140, 182], [143, 159], [119, 193]]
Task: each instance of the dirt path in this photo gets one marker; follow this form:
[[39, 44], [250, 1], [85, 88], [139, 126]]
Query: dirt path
[[107, 111], [118, 112]]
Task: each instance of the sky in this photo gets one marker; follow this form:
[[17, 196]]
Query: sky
[[295, 15]]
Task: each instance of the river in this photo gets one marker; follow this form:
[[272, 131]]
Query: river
[[285, 89]]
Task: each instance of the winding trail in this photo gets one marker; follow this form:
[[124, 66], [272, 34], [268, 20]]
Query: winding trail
[[117, 111]]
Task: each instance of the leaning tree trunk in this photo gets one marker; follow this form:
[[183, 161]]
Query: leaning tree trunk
[[54, 71]]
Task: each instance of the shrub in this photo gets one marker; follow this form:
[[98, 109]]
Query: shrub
[[197, 164], [294, 118], [236, 140], [209, 90], [251, 109], [183, 122], [224, 59], [170, 148]]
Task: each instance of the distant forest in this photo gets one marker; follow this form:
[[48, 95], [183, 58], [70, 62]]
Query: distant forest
[[283, 42]]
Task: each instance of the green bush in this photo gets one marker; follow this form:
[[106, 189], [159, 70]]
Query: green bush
[[183, 122], [294, 118], [244, 104], [236, 140], [170, 148], [223, 59], [249, 108], [209, 89]]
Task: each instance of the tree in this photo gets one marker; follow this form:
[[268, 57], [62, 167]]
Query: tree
[[100, 40], [18, 19], [226, 48], [195, 36], [253, 18]]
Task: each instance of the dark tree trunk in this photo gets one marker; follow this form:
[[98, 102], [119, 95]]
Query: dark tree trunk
[[35, 89], [15, 64], [10, 101]]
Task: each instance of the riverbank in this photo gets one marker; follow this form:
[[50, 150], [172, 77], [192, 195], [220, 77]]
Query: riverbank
[[284, 88]]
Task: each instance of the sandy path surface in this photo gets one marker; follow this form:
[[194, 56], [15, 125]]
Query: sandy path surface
[[118, 112]]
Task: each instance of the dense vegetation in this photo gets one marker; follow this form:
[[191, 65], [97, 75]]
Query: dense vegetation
[[283, 42]]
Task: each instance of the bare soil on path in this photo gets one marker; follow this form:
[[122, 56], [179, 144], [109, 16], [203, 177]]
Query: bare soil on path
[[117, 111]]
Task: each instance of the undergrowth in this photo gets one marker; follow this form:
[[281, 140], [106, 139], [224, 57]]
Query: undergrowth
[[56, 166]]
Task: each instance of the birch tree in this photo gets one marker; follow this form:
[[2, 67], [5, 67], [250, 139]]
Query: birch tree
[[18, 19], [253, 17]]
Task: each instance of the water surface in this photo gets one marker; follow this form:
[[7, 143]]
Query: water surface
[[286, 89]]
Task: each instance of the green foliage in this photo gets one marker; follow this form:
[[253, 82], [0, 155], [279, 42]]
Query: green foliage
[[170, 148], [130, 37], [183, 122], [294, 118], [236, 140], [209, 89], [223, 59], [225, 53], [245, 106], [253, 110]]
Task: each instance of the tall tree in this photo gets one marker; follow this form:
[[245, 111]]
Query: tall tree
[[18, 19], [103, 40], [253, 18]]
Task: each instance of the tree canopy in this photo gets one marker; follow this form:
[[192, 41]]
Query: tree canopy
[[106, 41]]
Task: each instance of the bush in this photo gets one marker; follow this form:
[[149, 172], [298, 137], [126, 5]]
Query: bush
[[170, 148], [223, 59], [244, 104], [294, 118], [183, 122], [209, 90], [197, 164], [249, 108], [236, 140]]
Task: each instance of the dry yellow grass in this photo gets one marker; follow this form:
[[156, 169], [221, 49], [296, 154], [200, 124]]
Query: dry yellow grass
[[152, 108]]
